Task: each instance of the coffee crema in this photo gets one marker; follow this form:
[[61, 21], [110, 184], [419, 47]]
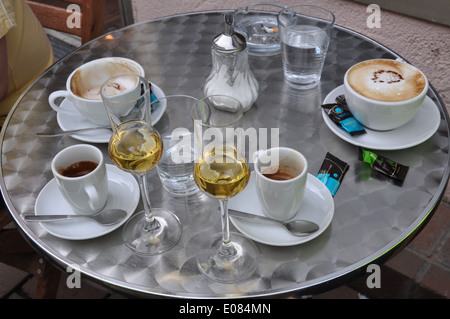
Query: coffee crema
[[78, 169], [386, 80], [279, 176]]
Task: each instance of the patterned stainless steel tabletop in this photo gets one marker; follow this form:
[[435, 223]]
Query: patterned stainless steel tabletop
[[372, 219]]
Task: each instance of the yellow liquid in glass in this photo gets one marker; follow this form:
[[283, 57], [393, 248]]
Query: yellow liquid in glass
[[135, 147], [220, 174]]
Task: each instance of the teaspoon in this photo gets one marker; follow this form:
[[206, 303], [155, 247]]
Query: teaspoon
[[80, 130], [295, 227], [106, 217]]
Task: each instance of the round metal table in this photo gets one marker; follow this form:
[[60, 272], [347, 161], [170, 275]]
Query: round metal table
[[373, 218]]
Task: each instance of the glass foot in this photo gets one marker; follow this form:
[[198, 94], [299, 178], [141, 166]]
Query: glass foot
[[152, 242], [230, 263]]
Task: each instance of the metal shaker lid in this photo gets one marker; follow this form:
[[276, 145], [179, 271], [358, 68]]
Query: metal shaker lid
[[229, 41]]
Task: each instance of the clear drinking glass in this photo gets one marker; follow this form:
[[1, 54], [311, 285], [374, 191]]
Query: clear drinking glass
[[221, 171], [305, 35], [136, 147], [176, 166]]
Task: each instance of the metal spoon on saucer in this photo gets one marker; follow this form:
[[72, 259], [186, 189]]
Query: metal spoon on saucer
[[80, 130], [107, 217], [296, 227]]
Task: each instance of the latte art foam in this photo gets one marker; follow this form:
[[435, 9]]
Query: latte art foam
[[386, 80]]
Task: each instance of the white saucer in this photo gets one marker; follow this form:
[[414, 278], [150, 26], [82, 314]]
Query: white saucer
[[67, 122], [416, 131], [123, 193], [318, 206]]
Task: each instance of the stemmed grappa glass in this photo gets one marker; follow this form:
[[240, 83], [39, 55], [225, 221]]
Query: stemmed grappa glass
[[136, 147], [221, 172]]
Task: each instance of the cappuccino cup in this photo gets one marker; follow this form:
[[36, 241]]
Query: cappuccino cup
[[84, 83], [384, 94], [80, 173], [280, 179]]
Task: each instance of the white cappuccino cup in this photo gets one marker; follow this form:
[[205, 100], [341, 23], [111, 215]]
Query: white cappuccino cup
[[84, 83], [384, 94]]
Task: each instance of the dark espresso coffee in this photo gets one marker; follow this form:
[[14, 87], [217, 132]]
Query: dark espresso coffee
[[279, 176], [79, 169]]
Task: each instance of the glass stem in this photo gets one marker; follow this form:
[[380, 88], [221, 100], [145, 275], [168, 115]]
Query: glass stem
[[226, 249], [151, 223]]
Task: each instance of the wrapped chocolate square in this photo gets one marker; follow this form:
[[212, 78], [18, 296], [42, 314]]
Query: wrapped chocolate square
[[340, 114], [332, 172], [383, 165]]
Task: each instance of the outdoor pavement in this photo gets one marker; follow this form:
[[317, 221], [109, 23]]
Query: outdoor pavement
[[421, 270]]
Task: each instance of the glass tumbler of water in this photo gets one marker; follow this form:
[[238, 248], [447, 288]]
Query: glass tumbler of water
[[305, 35], [176, 166]]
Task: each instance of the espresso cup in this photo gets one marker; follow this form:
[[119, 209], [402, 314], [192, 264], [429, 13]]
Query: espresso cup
[[281, 176], [384, 94], [84, 83], [80, 174]]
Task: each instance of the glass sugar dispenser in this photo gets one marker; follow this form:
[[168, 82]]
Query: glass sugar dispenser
[[231, 74]]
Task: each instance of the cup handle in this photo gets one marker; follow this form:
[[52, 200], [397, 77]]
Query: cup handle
[[57, 94], [94, 198]]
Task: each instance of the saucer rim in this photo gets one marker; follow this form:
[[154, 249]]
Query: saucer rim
[[312, 182], [132, 202], [434, 123], [93, 137]]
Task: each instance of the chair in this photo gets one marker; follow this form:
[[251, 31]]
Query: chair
[[134, 11], [56, 17]]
